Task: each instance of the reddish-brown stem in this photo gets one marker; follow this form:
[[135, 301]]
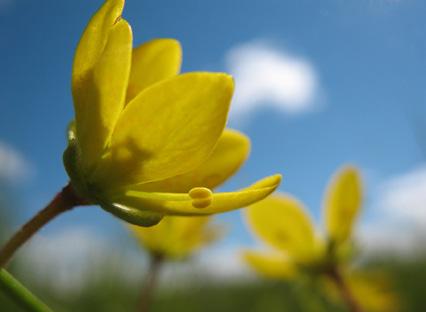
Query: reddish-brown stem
[[336, 276], [150, 283], [63, 201]]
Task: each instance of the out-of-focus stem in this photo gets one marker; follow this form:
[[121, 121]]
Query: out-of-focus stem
[[335, 275], [150, 283], [63, 201], [19, 294]]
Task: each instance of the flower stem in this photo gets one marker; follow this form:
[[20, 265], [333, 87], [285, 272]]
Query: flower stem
[[151, 280], [336, 276], [19, 294], [63, 201]]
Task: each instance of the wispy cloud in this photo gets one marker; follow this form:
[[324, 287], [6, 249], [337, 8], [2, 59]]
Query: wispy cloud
[[403, 198], [401, 204], [269, 76], [14, 167]]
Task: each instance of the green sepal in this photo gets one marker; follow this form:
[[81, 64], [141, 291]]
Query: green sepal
[[71, 163], [129, 214], [132, 215]]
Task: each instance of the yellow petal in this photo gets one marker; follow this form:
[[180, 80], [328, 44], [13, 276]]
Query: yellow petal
[[169, 129], [94, 39], [281, 221], [174, 237], [153, 61], [270, 265], [229, 154], [184, 205], [99, 96], [342, 203]]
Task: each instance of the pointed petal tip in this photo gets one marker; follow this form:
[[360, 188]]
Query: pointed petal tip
[[119, 4], [238, 137], [270, 181], [224, 79], [229, 79], [174, 42], [124, 28], [114, 10], [350, 168]]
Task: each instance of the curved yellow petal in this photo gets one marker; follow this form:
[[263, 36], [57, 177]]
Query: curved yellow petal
[[174, 237], [229, 154], [185, 205], [272, 265], [342, 203], [169, 129], [280, 220], [153, 61], [94, 39], [99, 96]]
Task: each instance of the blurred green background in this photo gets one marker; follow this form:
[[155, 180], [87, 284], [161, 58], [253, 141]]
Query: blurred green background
[[109, 293]]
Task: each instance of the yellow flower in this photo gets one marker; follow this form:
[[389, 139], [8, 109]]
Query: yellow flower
[[175, 238], [148, 141], [282, 223]]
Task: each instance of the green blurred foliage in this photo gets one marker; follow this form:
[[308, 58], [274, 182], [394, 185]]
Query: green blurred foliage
[[109, 294]]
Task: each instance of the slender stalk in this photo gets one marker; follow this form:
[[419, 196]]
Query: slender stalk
[[63, 201], [352, 304], [150, 283], [19, 294]]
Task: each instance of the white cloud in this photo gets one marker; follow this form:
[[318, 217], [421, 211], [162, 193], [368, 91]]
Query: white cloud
[[384, 238], [404, 197], [266, 75], [13, 165], [401, 204]]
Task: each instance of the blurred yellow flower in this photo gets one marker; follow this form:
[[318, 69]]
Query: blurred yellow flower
[[282, 223], [176, 238], [147, 141]]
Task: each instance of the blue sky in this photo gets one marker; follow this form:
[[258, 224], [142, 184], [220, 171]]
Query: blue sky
[[367, 59]]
